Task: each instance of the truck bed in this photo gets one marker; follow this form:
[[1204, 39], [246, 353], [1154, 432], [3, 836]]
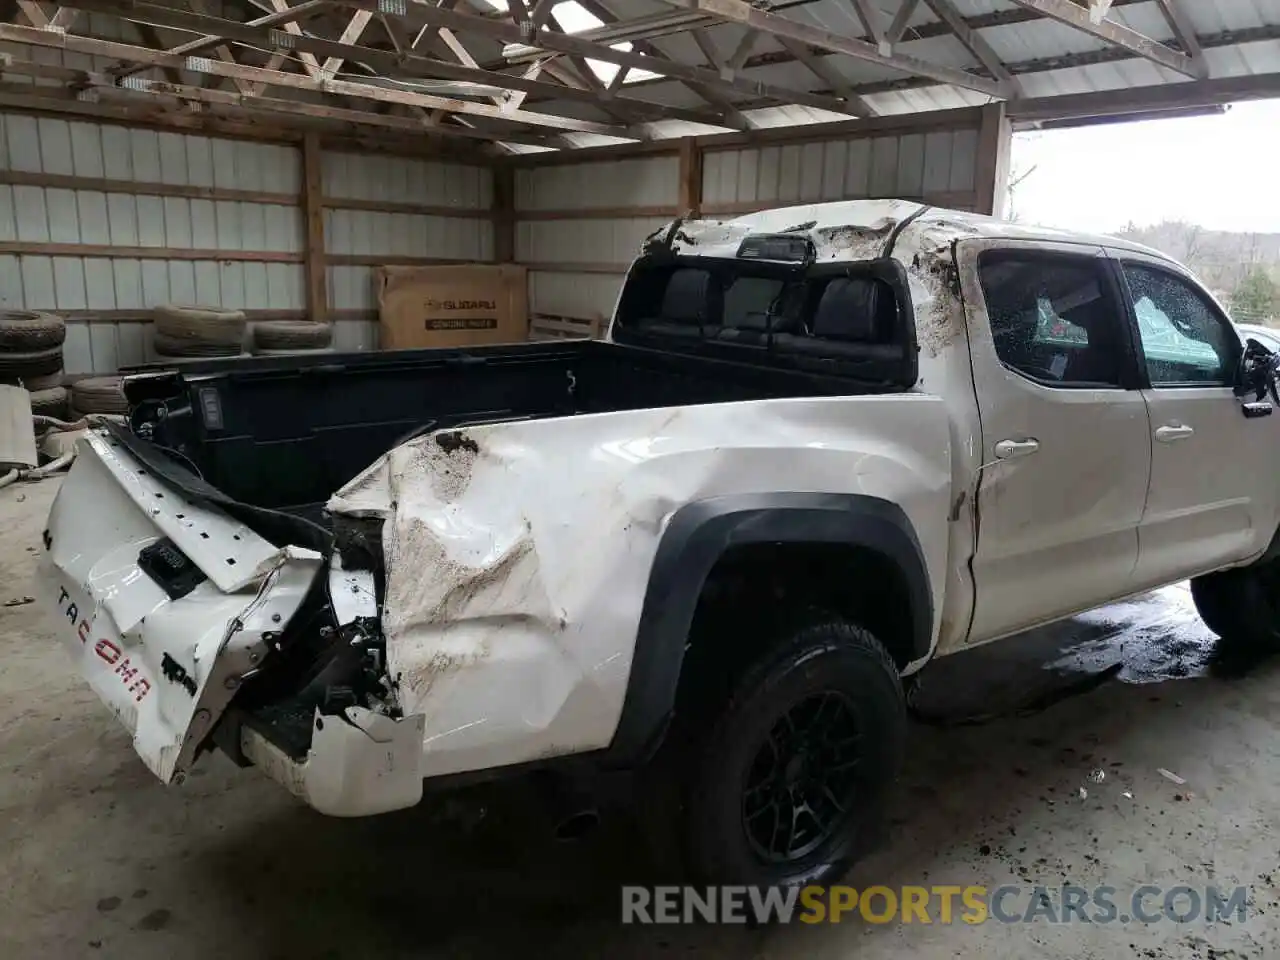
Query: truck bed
[[285, 433]]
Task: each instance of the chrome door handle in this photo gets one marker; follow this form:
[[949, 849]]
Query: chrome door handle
[[1173, 432], [1012, 449]]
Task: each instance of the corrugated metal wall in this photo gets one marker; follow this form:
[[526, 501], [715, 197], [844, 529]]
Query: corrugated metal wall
[[102, 222], [938, 166], [387, 209], [579, 225]]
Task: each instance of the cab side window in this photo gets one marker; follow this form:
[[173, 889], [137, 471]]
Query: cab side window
[[1185, 341], [1052, 317]]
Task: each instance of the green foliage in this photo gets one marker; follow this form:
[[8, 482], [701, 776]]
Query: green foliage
[[1256, 297]]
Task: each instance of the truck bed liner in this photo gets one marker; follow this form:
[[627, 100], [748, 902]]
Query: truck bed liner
[[286, 433]]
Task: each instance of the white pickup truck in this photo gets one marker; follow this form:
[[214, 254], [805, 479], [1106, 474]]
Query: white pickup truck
[[821, 446]]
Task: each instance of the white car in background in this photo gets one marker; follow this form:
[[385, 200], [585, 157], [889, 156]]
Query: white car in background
[[1269, 337]]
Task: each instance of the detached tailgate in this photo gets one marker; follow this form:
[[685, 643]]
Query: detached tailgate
[[165, 605]]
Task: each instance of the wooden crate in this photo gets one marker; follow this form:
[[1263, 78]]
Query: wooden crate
[[544, 326]]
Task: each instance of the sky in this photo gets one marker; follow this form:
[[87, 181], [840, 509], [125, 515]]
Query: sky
[[1221, 172]]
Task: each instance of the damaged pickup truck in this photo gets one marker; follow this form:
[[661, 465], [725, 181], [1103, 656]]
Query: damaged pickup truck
[[820, 447]]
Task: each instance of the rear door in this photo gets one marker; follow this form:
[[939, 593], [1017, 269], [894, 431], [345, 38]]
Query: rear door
[[1066, 448], [1213, 492]]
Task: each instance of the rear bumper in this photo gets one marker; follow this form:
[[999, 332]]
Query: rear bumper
[[360, 763], [166, 657], [168, 660]]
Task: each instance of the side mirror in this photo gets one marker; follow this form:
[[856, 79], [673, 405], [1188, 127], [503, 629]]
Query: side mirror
[[1258, 372]]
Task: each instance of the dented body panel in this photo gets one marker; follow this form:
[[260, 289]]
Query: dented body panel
[[512, 647], [166, 666]]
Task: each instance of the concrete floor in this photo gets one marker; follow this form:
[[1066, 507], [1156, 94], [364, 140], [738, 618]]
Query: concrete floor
[[99, 860]]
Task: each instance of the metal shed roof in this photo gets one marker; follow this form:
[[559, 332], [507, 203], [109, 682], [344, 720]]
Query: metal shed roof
[[546, 74]]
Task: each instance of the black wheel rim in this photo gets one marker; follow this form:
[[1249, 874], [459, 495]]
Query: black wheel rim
[[1269, 580], [801, 785]]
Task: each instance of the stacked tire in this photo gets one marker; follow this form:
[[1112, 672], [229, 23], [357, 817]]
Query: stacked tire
[[31, 355], [291, 337], [98, 395], [194, 333]]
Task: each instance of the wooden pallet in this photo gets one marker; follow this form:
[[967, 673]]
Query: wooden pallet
[[544, 326]]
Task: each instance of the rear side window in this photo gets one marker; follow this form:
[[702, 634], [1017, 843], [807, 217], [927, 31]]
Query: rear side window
[[1052, 317]]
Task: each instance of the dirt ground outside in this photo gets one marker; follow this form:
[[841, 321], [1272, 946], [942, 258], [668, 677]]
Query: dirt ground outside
[[100, 860]]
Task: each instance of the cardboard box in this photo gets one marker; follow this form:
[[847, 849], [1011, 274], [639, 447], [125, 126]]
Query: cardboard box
[[452, 306]]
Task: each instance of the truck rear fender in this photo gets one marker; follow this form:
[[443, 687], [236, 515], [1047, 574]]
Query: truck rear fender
[[695, 539]]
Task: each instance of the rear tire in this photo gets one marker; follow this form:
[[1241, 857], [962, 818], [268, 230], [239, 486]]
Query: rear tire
[[789, 784], [1242, 606]]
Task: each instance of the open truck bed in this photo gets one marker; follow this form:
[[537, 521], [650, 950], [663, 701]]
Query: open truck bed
[[285, 433]]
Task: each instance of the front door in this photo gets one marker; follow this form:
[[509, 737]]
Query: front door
[[1066, 447], [1214, 473]]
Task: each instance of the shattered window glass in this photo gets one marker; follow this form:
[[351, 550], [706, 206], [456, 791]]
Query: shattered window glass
[[1050, 317], [1184, 341]]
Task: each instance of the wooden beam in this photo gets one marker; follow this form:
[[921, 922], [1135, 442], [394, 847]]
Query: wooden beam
[[828, 75], [113, 252], [1183, 29], [690, 202], [1148, 99], [257, 107], [974, 42], [599, 213], [868, 16], [355, 27], [313, 214], [151, 37], [273, 105], [309, 63], [991, 168], [58, 181], [739, 11], [935, 121], [298, 12], [34, 13], [365, 91], [742, 51], [393, 63], [900, 20], [421, 13], [541, 10], [1073, 15]]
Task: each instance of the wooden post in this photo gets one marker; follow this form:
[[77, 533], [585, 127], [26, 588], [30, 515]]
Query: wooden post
[[991, 171], [690, 199], [504, 213], [313, 207]]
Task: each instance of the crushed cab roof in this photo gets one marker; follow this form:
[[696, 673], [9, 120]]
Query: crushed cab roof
[[720, 238]]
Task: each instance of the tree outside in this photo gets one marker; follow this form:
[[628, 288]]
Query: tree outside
[[1256, 298]]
